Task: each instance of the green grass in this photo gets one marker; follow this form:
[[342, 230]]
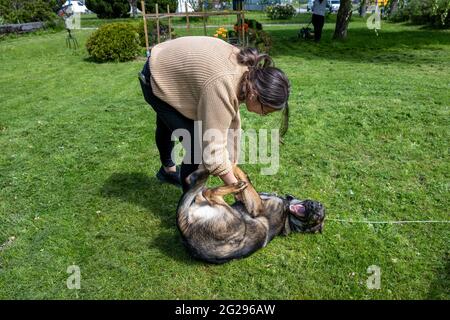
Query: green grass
[[368, 137]]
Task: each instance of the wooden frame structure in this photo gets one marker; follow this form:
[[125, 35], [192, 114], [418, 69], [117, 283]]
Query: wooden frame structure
[[204, 14]]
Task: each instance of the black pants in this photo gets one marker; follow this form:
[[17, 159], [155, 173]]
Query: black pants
[[318, 22], [168, 119]]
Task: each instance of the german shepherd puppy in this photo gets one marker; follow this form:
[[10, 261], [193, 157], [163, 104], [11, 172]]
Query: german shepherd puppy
[[216, 232]]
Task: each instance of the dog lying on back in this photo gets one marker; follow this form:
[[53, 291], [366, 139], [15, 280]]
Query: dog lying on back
[[217, 232]]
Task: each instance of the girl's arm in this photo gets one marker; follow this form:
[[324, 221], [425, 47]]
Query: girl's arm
[[228, 178]]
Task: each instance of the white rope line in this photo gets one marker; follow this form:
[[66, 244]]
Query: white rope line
[[389, 222]]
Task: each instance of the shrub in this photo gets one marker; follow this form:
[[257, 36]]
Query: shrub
[[253, 24], [22, 11], [432, 12], [260, 40], [114, 42], [162, 5], [106, 9], [257, 38], [280, 11]]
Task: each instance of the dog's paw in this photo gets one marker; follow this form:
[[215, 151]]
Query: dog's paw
[[240, 185]]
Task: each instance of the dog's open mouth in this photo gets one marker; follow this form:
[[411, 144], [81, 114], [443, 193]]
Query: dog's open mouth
[[298, 209]]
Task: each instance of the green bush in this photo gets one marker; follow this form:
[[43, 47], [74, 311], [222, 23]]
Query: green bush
[[162, 5], [22, 11], [432, 12], [280, 11], [107, 9], [114, 42], [260, 40], [253, 24], [257, 38]]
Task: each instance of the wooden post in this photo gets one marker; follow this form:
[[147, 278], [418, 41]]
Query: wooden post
[[157, 22], [204, 17], [242, 29], [170, 22], [187, 18], [145, 29], [244, 33]]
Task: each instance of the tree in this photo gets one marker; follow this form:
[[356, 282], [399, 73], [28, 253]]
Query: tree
[[109, 8], [342, 20], [150, 5], [393, 6], [22, 11]]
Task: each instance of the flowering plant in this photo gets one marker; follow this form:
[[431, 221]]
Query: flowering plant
[[280, 11], [221, 32], [239, 27]]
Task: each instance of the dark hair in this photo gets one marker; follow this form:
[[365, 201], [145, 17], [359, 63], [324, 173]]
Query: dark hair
[[270, 84]]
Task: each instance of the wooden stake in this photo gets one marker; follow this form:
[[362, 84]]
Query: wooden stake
[[187, 18], [145, 29], [204, 17], [245, 32], [170, 22], [242, 29], [157, 22]]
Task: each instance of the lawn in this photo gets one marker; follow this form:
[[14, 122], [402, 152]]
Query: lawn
[[368, 137]]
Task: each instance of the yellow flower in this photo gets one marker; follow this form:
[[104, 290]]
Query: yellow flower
[[216, 35]]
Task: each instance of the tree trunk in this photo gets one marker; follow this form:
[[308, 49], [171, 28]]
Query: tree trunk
[[393, 6], [363, 8], [342, 20]]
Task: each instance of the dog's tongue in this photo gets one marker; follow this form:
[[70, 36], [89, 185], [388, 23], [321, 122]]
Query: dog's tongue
[[297, 209]]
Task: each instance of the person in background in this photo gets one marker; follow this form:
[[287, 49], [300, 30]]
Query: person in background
[[318, 18]]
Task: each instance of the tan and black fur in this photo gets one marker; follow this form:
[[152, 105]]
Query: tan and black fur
[[216, 232]]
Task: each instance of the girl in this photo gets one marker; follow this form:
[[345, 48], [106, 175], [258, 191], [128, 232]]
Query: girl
[[201, 81]]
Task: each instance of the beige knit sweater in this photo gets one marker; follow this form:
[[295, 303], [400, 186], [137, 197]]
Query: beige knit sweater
[[199, 76]]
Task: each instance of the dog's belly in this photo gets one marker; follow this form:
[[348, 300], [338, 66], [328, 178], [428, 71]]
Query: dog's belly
[[197, 214], [216, 234]]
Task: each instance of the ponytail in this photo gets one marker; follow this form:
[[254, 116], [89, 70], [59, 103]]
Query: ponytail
[[253, 59]]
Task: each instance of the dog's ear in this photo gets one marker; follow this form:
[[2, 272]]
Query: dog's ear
[[289, 197]]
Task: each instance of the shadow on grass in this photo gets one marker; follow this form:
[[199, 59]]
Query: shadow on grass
[[364, 46], [440, 287], [160, 200]]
